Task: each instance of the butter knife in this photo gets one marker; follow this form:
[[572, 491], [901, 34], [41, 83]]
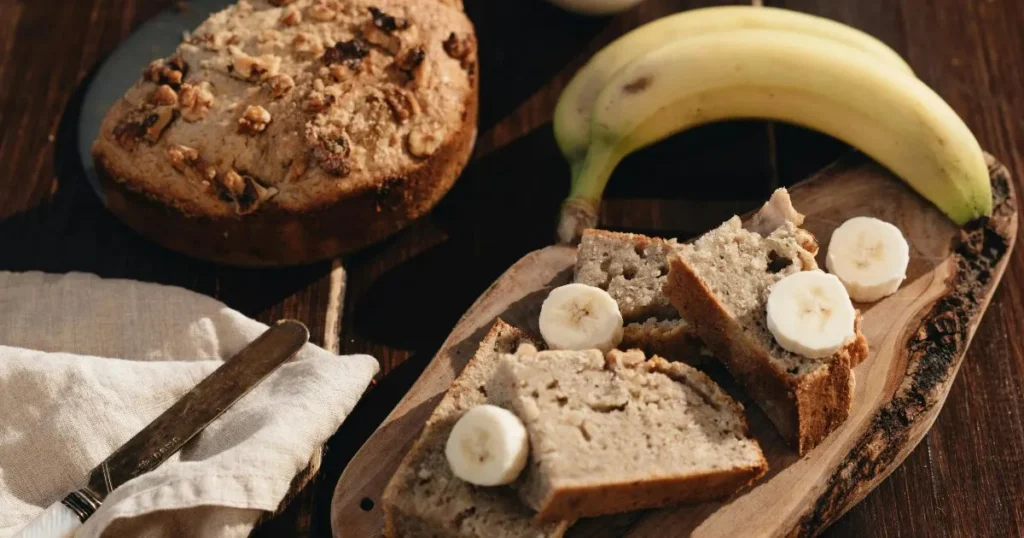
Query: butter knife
[[172, 429]]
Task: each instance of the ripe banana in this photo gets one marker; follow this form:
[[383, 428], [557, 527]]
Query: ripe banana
[[572, 114], [488, 446], [810, 314], [869, 256], [577, 316], [885, 112]]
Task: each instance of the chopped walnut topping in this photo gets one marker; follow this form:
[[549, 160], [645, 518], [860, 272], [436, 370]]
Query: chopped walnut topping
[[233, 182], [280, 3], [317, 100], [307, 46], [381, 28], [391, 43], [386, 22], [253, 195], [403, 105], [280, 85], [182, 156], [423, 141], [291, 16], [330, 151], [411, 63], [158, 121], [268, 39], [332, 163], [459, 48], [350, 53], [170, 71], [337, 72], [254, 120], [323, 11], [128, 132], [195, 100], [253, 68], [163, 95]]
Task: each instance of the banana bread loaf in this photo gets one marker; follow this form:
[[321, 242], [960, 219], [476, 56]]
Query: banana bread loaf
[[287, 131], [721, 283], [619, 433], [632, 268], [424, 498]]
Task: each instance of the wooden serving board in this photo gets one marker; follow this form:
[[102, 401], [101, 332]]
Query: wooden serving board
[[917, 336]]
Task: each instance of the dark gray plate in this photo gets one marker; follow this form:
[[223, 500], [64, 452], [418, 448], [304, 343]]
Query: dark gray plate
[[156, 38]]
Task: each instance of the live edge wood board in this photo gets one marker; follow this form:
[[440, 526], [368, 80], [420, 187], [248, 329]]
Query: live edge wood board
[[918, 338]]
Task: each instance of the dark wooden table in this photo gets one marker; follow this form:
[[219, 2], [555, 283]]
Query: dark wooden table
[[965, 479]]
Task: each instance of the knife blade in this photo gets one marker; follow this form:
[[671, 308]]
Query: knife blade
[[173, 428]]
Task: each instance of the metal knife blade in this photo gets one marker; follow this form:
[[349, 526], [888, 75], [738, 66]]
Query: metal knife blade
[[190, 415]]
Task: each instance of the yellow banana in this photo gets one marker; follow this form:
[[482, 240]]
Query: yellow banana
[[572, 114], [768, 74]]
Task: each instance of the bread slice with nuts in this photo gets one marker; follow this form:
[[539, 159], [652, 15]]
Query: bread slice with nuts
[[425, 498], [283, 132], [721, 283], [632, 268]]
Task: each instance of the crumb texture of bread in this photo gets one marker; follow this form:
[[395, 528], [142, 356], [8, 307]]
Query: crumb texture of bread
[[424, 498], [632, 268], [273, 107], [617, 433], [721, 282]]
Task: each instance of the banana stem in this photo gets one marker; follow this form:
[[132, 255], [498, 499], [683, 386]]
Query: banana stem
[[589, 178]]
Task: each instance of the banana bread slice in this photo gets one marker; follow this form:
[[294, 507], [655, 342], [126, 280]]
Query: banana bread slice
[[632, 269], [617, 433], [721, 284], [424, 498]]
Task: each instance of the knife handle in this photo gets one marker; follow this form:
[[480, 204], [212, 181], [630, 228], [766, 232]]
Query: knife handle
[[57, 521]]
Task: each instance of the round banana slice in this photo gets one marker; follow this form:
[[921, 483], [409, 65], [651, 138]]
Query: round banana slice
[[810, 314], [488, 446], [577, 316], [869, 256]]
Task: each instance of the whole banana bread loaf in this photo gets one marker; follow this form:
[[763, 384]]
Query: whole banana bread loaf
[[287, 131]]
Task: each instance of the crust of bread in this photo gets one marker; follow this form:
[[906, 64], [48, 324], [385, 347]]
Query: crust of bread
[[804, 409], [572, 503], [274, 236]]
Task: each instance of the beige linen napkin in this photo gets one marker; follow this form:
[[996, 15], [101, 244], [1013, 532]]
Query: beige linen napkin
[[85, 363]]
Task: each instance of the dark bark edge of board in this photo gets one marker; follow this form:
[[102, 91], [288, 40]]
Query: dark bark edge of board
[[935, 349]]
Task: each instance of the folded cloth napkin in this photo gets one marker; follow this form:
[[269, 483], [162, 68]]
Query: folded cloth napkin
[[85, 363]]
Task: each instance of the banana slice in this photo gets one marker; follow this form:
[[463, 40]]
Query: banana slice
[[869, 256], [810, 314], [488, 446], [577, 316]]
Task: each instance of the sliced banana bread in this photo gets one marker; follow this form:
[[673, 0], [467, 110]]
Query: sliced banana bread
[[721, 284], [619, 433], [424, 498], [632, 269]]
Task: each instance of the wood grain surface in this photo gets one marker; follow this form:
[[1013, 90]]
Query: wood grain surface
[[918, 337], [405, 295]]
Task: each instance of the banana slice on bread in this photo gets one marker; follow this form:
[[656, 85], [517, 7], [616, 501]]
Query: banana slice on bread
[[488, 446], [578, 316], [810, 313]]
